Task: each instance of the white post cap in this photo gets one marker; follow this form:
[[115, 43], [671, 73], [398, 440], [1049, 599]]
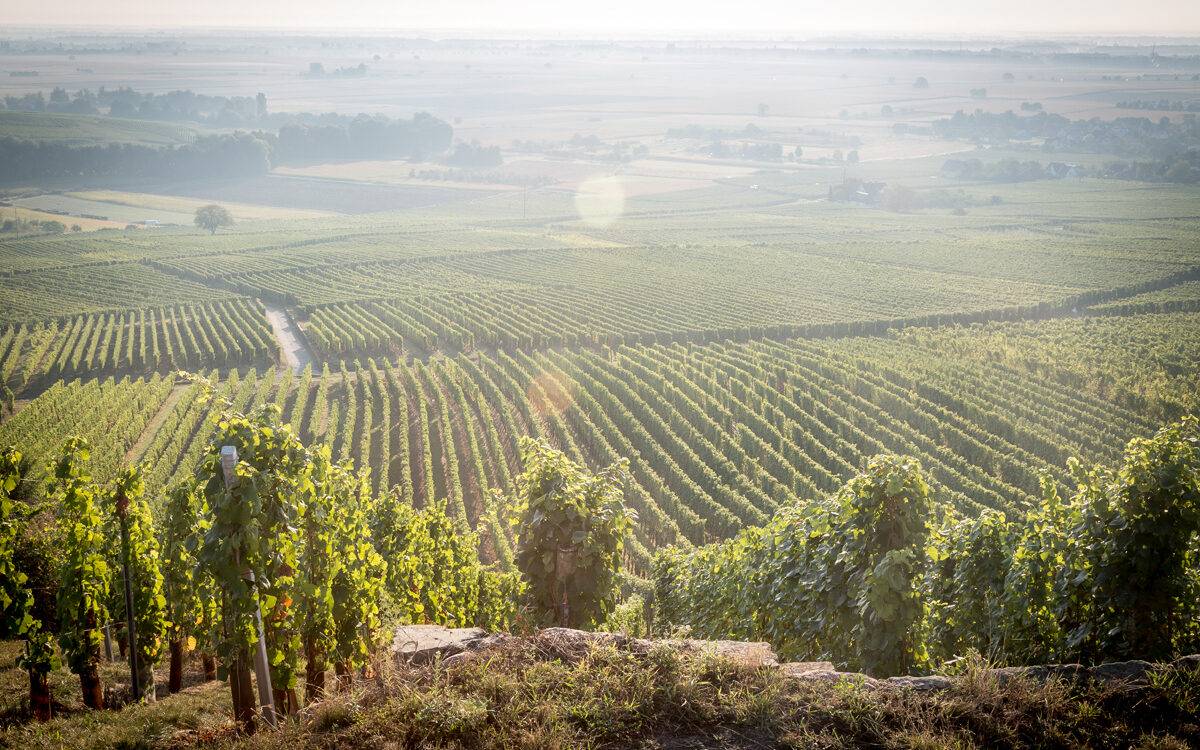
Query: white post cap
[[229, 460]]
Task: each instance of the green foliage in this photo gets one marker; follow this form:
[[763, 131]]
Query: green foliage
[[39, 657], [1034, 607], [499, 594], [84, 573], [128, 502], [15, 599], [877, 549], [628, 618], [212, 217], [190, 592], [1140, 524], [1113, 572], [447, 564], [318, 561], [250, 547], [572, 528], [967, 584], [358, 570], [840, 579], [433, 570]]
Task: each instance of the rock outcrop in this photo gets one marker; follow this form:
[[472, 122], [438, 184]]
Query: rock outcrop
[[422, 644]]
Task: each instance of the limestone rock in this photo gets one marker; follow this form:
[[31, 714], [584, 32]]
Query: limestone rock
[[928, 684], [421, 644], [832, 675], [1041, 672], [1124, 671], [797, 668]]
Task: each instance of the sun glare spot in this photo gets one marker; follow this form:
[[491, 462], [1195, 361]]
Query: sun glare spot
[[549, 396], [600, 200]]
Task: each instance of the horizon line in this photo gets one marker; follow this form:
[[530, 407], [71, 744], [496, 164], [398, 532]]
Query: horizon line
[[613, 34]]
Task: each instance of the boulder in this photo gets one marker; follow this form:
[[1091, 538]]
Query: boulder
[[568, 643], [1187, 662], [832, 675], [1123, 671], [421, 644], [928, 684], [573, 645], [797, 668], [1041, 672]]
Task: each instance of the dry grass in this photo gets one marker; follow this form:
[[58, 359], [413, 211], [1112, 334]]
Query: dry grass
[[176, 204], [543, 693], [29, 214]]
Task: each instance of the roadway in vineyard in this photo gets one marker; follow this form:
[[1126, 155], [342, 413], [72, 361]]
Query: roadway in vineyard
[[135, 452], [295, 353]]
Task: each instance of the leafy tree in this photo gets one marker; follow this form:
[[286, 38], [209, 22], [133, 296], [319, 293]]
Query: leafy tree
[[212, 217], [83, 574], [573, 525]]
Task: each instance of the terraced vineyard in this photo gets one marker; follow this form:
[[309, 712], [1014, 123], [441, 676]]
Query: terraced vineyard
[[739, 355], [63, 292], [1184, 296], [111, 414], [193, 337], [719, 434]]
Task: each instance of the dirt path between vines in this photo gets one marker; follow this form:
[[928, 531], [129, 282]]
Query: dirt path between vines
[[168, 405], [287, 333]]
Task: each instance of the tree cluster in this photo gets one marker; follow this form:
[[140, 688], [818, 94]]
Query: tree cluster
[[1132, 136], [232, 155], [172, 106], [363, 137]]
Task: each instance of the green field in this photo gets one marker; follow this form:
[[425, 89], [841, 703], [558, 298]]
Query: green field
[[87, 130]]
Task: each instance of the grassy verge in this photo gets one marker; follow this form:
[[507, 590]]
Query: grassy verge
[[527, 695]]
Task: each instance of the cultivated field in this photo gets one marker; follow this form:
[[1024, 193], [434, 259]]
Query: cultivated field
[[848, 322]]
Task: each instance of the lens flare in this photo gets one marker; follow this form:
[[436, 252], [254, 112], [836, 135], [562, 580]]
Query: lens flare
[[548, 396], [600, 200]]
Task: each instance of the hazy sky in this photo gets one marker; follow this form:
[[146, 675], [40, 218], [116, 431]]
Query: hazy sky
[[799, 17]]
